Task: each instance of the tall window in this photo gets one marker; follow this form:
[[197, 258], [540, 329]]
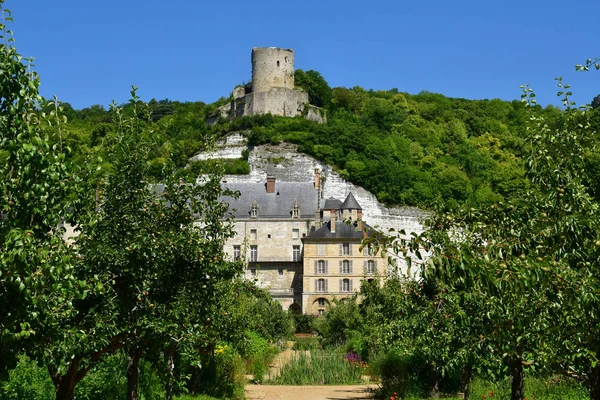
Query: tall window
[[253, 234], [237, 252], [321, 285], [346, 267], [321, 302], [296, 211], [321, 267], [370, 267], [296, 253], [295, 233], [321, 249], [346, 249], [345, 285], [253, 253], [254, 210]]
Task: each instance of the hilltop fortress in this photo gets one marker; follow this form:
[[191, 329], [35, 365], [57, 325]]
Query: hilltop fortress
[[271, 91]]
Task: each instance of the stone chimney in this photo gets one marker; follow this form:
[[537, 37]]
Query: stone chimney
[[359, 222], [333, 221], [270, 184], [317, 178]]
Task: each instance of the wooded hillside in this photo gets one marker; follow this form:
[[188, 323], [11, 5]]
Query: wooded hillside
[[418, 150]]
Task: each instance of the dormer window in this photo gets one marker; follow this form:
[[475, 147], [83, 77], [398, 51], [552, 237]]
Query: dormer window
[[296, 211], [254, 210]]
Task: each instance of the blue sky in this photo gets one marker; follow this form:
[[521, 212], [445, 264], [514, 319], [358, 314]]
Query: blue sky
[[91, 52]]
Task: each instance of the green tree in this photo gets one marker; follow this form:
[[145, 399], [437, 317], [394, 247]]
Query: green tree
[[39, 288], [319, 92]]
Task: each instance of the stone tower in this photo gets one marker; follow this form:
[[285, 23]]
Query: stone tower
[[272, 90], [272, 67]]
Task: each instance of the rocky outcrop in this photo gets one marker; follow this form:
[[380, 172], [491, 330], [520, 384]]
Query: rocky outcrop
[[285, 163]]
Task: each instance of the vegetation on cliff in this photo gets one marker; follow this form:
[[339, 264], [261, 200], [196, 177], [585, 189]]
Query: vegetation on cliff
[[420, 150]]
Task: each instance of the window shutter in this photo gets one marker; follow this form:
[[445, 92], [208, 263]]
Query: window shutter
[[341, 285], [341, 266], [326, 288], [316, 285], [350, 266], [375, 267], [316, 267], [341, 249], [365, 266], [326, 267], [350, 248], [350, 284]]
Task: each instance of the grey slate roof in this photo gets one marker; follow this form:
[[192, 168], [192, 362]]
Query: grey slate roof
[[273, 205], [332, 204], [342, 231], [350, 203]]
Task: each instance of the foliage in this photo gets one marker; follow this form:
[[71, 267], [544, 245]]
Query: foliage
[[222, 375], [258, 354], [304, 323], [270, 320], [406, 375], [531, 260], [319, 92], [420, 150], [320, 368], [336, 326], [236, 166], [541, 388], [29, 381], [306, 343]]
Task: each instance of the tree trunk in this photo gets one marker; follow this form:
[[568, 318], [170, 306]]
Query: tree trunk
[[516, 380], [595, 383], [467, 375], [64, 385], [133, 372], [170, 355], [194, 380], [435, 384]]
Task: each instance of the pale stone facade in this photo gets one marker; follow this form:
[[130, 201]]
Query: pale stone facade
[[305, 255], [330, 274], [334, 264], [271, 218]]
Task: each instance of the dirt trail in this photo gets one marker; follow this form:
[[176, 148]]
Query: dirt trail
[[266, 392]]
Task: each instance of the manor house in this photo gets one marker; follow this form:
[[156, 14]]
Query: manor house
[[303, 249]]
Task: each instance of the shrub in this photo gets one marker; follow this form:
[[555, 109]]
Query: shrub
[[306, 343], [258, 354], [407, 375], [543, 388], [304, 323], [106, 381], [335, 326], [27, 381], [222, 376]]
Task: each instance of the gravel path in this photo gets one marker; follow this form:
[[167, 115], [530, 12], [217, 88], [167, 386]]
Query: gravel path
[[272, 392]]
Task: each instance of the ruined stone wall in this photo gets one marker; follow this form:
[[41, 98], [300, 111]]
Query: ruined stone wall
[[272, 67], [279, 101]]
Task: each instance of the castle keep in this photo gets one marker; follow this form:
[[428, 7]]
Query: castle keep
[[272, 89]]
